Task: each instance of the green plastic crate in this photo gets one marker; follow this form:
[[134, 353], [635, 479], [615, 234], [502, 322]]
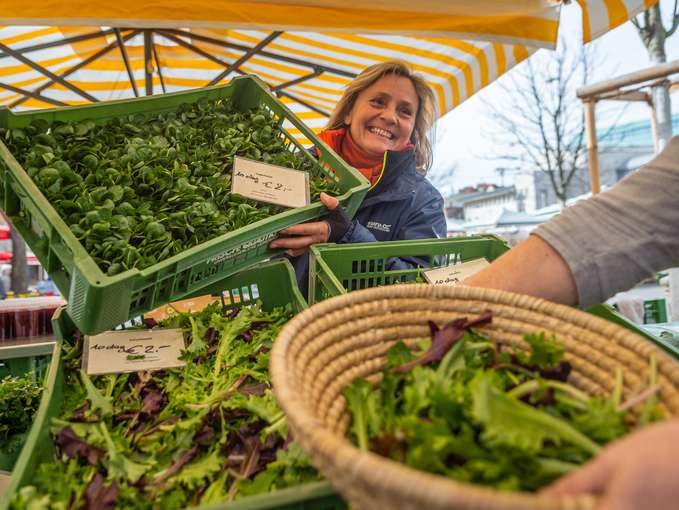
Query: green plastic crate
[[19, 360], [655, 311], [97, 302], [271, 282], [611, 314], [335, 269]]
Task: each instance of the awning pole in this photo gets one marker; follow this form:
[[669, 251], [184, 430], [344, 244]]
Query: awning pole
[[654, 125], [282, 93], [61, 42], [46, 72], [317, 72], [30, 93], [148, 62], [79, 65], [244, 58], [128, 67], [592, 148], [263, 53], [160, 72]]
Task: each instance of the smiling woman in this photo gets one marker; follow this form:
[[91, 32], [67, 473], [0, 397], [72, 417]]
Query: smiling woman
[[380, 127]]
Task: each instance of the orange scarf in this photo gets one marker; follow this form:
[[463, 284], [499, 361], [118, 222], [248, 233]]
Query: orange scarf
[[342, 143]]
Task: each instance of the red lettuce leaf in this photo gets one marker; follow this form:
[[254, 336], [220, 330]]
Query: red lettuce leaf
[[443, 339]]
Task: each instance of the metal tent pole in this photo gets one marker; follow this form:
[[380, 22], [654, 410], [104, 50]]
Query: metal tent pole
[[243, 58], [30, 93], [160, 73], [43, 70], [79, 65], [317, 72], [123, 52], [61, 42], [304, 103], [263, 53], [148, 62], [592, 149]]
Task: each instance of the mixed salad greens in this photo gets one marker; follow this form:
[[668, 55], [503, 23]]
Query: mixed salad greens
[[138, 189], [483, 412], [19, 400], [205, 433]]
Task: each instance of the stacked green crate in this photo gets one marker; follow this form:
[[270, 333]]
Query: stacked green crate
[[336, 269], [655, 311], [25, 372], [272, 284], [339, 268], [96, 301], [611, 314]]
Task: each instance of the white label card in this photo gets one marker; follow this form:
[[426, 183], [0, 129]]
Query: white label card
[[452, 275], [116, 352], [270, 183]]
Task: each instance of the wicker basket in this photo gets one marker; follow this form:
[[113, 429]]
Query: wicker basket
[[326, 347]]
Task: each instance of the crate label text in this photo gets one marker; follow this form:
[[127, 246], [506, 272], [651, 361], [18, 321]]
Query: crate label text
[[241, 248], [452, 275], [116, 352], [270, 183]]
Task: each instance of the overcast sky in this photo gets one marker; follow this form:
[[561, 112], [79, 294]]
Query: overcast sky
[[460, 133]]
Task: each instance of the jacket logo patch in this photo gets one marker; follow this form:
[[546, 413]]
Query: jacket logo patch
[[374, 225]]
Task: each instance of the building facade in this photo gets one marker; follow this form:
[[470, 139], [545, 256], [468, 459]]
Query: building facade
[[622, 149], [483, 203]]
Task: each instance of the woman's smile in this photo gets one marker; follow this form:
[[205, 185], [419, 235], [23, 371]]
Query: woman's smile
[[381, 132]]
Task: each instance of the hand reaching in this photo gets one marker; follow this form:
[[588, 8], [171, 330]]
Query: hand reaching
[[305, 234], [638, 472]]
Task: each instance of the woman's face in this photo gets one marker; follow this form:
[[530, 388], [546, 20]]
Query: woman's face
[[383, 116]]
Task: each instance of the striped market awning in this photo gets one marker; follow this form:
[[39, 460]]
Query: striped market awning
[[601, 16], [307, 60]]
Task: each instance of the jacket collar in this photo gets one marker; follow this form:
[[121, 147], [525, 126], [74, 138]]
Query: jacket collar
[[398, 180]]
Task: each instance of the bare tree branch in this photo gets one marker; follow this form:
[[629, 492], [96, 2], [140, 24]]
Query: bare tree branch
[[541, 124], [645, 30], [654, 36], [636, 24], [675, 20]]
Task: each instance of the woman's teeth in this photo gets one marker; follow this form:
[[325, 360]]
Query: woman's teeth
[[381, 132]]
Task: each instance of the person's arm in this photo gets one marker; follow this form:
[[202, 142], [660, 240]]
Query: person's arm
[[533, 267], [608, 243], [357, 233], [425, 221]]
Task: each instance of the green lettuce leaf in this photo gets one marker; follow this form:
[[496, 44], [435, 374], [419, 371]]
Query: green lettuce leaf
[[512, 423]]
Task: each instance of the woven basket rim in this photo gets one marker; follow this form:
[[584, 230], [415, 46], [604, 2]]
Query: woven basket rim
[[365, 465]]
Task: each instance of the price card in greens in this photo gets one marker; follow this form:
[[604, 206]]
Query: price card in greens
[[270, 183], [132, 350], [452, 275]]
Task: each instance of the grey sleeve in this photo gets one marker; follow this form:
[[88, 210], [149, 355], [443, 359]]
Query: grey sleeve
[[616, 239]]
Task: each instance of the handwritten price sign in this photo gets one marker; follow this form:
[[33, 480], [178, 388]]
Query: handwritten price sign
[[452, 275], [270, 183], [116, 352]]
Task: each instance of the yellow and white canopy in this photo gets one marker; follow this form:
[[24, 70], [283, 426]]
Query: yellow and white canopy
[[54, 52], [527, 22]]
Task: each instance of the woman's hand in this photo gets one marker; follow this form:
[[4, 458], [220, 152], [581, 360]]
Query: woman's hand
[[639, 471], [306, 234]]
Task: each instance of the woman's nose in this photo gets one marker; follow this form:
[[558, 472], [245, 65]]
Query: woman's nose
[[389, 115]]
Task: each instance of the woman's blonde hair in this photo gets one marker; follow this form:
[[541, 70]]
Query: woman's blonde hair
[[426, 109]]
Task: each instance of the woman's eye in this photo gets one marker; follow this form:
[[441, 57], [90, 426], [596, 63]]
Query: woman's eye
[[377, 102], [406, 113]]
